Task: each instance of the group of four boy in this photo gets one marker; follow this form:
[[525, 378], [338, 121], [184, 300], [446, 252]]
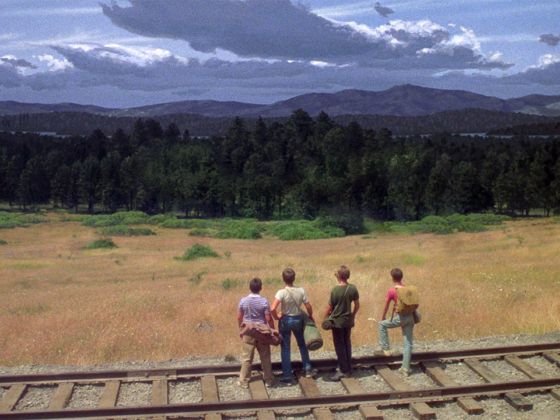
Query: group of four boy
[[343, 305]]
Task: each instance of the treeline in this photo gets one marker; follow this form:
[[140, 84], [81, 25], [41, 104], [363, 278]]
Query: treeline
[[302, 167], [459, 121]]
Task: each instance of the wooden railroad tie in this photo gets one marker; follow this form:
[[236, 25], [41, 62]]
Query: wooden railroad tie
[[12, 396], [259, 392], [110, 394], [210, 394], [421, 410], [310, 389], [61, 396], [368, 411], [530, 371], [438, 375], [515, 399]]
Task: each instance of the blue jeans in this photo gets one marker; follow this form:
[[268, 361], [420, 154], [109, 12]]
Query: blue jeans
[[406, 322], [287, 325]]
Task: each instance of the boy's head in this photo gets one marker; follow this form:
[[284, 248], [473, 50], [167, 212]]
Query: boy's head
[[343, 273], [396, 274], [255, 285], [289, 276]]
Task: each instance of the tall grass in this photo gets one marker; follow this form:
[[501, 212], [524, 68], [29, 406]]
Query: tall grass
[[123, 230], [105, 243], [137, 303]]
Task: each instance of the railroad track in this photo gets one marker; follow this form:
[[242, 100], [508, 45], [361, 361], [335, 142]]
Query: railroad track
[[370, 405]]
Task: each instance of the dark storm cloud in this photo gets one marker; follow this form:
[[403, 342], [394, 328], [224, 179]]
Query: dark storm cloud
[[383, 10], [18, 62], [250, 28], [279, 29], [550, 39]]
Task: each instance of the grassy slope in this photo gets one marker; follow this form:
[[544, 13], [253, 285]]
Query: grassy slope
[[64, 304]]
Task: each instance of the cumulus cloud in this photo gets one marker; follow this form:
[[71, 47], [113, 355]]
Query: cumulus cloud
[[17, 62], [546, 72], [279, 29], [383, 10], [54, 64], [550, 39]]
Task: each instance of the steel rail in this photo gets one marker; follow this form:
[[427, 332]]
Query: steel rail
[[392, 398], [231, 369]]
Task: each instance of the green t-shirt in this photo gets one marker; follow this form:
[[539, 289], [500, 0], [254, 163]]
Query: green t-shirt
[[341, 302]]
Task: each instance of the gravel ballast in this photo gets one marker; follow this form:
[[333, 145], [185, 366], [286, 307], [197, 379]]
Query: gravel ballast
[[189, 390]]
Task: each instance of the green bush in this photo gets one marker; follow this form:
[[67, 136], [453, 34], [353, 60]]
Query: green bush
[[198, 251], [101, 244], [351, 222], [231, 283], [122, 230], [115, 219], [239, 229], [207, 233], [13, 220], [303, 230], [3, 242]]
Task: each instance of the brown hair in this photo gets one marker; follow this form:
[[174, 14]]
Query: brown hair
[[343, 273], [397, 274], [289, 275], [255, 285]]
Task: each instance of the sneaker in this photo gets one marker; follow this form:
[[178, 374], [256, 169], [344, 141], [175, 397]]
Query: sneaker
[[404, 371], [270, 384], [243, 384], [288, 381], [388, 352], [310, 373], [337, 377]]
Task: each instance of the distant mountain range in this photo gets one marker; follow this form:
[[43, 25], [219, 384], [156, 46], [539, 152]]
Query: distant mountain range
[[400, 101]]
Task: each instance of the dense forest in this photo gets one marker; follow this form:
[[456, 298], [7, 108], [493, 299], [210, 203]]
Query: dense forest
[[457, 121], [300, 167]]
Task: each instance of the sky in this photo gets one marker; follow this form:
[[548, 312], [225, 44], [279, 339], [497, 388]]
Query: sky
[[125, 53]]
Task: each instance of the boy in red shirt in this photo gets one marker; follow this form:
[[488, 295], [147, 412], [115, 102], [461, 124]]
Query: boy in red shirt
[[406, 322]]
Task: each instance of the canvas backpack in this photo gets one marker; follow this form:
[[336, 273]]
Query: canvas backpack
[[407, 300]]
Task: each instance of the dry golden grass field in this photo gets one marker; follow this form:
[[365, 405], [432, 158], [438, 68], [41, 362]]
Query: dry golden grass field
[[62, 304]]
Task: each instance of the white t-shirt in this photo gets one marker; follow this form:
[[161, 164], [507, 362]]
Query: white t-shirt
[[291, 299]]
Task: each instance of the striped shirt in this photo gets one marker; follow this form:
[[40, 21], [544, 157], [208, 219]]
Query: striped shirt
[[254, 308]]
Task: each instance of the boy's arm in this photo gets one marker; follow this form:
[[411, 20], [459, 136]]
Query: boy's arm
[[309, 310], [328, 311], [269, 320], [356, 307], [273, 308]]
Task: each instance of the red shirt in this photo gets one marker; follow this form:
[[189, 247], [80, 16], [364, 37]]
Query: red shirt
[[392, 296]]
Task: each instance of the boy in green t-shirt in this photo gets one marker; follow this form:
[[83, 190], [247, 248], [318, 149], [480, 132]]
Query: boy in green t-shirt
[[343, 314]]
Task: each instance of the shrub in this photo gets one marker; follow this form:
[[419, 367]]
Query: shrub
[[3, 242], [209, 233], [115, 219], [303, 230], [12, 220], [351, 222], [101, 244], [239, 230], [198, 251], [231, 283], [123, 230]]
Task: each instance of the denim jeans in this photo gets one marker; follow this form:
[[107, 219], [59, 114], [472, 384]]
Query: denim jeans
[[406, 322], [287, 325]]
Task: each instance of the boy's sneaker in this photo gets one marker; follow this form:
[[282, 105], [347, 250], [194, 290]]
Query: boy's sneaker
[[337, 377], [288, 381], [404, 371], [310, 373], [243, 384]]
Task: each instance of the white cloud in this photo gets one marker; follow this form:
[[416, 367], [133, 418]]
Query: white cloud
[[55, 64]]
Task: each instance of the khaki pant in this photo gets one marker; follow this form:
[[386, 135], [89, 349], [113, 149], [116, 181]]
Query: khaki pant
[[248, 352]]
